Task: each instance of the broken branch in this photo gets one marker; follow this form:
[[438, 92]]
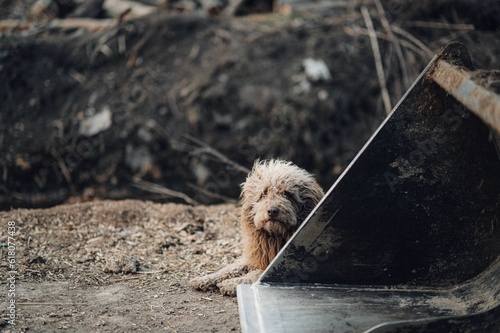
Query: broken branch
[[378, 59]]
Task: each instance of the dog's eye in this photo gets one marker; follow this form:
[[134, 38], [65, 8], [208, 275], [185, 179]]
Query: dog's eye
[[289, 195], [263, 194]]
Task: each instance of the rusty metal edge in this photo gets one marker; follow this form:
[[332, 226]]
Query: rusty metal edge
[[457, 82]]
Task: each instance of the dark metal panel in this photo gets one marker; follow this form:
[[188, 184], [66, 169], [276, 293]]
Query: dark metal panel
[[473, 304], [337, 309], [479, 322], [419, 205]]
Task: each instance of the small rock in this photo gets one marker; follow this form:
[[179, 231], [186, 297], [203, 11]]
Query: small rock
[[316, 70], [123, 264], [96, 123], [125, 233]]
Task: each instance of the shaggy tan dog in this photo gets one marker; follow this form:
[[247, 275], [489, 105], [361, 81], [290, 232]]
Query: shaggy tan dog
[[276, 198]]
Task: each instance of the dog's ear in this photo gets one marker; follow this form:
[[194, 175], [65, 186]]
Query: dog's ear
[[310, 193], [256, 171], [249, 186]]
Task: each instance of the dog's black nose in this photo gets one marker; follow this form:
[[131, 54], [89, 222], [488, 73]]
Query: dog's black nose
[[273, 212]]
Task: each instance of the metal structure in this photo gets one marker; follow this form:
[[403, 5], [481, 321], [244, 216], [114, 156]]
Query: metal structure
[[408, 237]]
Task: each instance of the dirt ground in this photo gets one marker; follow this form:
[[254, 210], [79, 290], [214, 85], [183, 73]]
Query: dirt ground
[[171, 110], [120, 266]]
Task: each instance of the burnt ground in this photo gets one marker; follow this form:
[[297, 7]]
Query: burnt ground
[[175, 108]]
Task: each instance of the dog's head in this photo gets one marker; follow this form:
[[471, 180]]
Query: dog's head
[[277, 196]]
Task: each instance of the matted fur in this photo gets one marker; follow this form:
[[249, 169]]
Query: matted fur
[[276, 197], [274, 184]]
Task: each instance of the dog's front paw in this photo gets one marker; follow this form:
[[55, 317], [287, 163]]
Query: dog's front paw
[[228, 287], [203, 283]]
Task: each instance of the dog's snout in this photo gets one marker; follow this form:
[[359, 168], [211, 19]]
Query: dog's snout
[[273, 212]]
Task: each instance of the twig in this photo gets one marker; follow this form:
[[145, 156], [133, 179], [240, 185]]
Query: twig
[[156, 188], [214, 152], [354, 31], [183, 146], [15, 25], [101, 44], [413, 39], [88, 24], [48, 303], [121, 16], [64, 169], [152, 272], [169, 137], [172, 103], [118, 7], [136, 49], [126, 279], [441, 25], [211, 194], [232, 7], [395, 41], [378, 59]]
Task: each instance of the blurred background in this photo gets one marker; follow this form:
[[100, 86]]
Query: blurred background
[[174, 100]]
